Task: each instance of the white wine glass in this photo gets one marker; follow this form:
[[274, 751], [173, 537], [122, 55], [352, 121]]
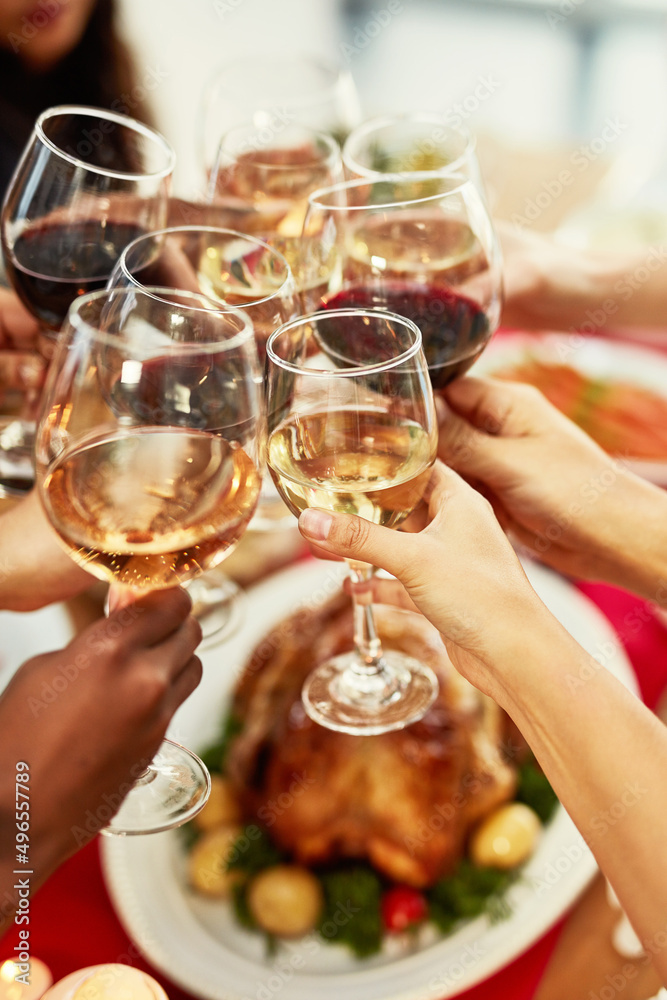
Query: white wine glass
[[266, 178], [423, 248], [422, 144], [234, 271], [352, 429], [149, 457]]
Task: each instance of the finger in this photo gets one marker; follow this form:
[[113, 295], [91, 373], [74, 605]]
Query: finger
[[183, 685], [498, 408], [178, 647], [148, 620], [352, 537], [383, 592], [18, 328], [21, 369], [321, 553]]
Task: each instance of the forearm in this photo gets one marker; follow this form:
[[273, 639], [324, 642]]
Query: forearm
[[627, 546], [606, 757], [630, 292], [34, 569]]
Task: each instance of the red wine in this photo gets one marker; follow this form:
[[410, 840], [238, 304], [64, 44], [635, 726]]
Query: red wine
[[52, 263], [454, 329]]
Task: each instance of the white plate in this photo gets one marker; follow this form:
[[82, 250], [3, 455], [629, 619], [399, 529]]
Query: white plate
[[197, 943], [595, 358]]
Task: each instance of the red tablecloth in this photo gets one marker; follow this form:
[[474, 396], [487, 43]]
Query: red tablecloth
[[73, 924]]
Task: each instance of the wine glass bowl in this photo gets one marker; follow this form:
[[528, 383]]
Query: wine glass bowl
[[267, 177], [232, 270], [352, 429], [88, 182], [423, 144], [272, 90], [422, 248], [149, 457]]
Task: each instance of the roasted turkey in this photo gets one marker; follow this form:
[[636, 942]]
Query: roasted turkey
[[405, 800]]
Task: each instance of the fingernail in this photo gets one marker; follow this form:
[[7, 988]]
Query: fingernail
[[316, 524]]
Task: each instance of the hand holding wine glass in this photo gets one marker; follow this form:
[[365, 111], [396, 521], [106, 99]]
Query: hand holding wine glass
[[149, 454], [352, 429]]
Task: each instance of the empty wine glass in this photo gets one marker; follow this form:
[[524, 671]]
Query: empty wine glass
[[232, 270], [425, 249], [272, 90], [352, 429], [149, 453], [88, 182]]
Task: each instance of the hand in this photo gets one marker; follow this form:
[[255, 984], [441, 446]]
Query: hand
[[460, 571], [88, 718], [552, 286], [21, 367], [34, 568], [560, 495], [19, 330]]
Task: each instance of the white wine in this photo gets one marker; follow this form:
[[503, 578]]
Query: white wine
[[350, 461], [152, 508], [416, 244]]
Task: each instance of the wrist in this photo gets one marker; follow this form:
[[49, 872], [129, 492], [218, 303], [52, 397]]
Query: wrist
[[630, 550], [540, 663]]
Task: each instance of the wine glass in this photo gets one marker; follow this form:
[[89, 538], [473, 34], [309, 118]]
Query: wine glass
[[268, 177], [422, 143], [423, 248], [88, 182], [352, 429], [270, 90], [232, 270], [149, 453]]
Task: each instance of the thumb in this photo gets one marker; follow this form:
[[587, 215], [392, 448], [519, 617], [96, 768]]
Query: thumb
[[353, 537], [498, 408]]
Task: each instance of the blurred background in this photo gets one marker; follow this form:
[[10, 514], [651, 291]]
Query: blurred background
[[546, 85]]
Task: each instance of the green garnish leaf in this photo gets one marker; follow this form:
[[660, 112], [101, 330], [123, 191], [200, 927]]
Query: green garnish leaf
[[466, 894], [351, 913], [241, 908], [253, 851]]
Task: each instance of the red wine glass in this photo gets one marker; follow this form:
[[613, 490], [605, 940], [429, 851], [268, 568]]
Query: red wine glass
[[422, 248], [88, 182]]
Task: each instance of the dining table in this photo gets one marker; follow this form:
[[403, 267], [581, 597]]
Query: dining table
[[74, 924], [73, 921]]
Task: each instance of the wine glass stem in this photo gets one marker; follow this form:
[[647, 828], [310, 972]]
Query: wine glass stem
[[366, 639]]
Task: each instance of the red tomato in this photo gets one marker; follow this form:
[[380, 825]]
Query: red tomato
[[403, 907]]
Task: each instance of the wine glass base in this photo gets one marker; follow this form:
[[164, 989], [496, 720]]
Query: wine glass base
[[17, 443], [173, 789], [337, 697]]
